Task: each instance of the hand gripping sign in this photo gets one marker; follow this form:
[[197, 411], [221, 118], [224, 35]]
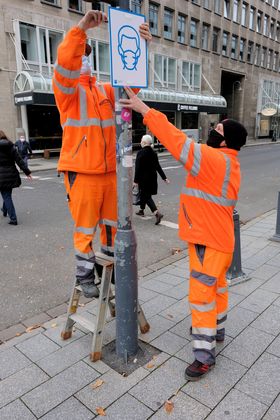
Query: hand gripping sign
[[128, 51]]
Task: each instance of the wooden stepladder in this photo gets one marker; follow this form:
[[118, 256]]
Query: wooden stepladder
[[106, 297]]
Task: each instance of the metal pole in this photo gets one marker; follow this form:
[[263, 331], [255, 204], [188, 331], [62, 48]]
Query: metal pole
[[276, 236], [125, 242]]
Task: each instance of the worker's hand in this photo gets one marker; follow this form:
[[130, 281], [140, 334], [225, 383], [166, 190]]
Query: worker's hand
[[167, 181], [92, 19], [135, 184], [29, 177], [133, 102], [144, 31]]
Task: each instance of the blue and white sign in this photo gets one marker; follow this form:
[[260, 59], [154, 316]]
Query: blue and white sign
[[128, 51]]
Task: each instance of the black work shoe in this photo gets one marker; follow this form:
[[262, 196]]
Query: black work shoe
[[159, 216], [4, 212], [13, 222], [219, 339], [197, 370], [90, 290], [140, 213]]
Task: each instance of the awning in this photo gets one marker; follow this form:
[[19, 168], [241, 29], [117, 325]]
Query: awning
[[35, 88]]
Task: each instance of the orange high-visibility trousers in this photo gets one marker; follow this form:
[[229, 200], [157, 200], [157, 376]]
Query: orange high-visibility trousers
[[208, 298], [92, 202]]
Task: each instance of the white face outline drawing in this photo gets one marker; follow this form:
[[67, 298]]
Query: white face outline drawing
[[129, 47]]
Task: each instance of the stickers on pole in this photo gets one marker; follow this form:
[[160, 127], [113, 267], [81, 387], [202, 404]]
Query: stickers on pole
[[128, 51]]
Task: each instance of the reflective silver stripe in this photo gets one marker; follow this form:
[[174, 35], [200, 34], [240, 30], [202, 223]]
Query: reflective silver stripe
[[86, 255], [83, 104], [185, 151], [107, 123], [222, 315], [107, 248], [222, 289], [66, 90], [227, 177], [204, 307], [203, 278], [108, 222], [201, 344], [197, 160], [102, 88], [70, 74], [211, 332], [70, 122], [221, 326], [191, 192], [86, 231], [86, 264]]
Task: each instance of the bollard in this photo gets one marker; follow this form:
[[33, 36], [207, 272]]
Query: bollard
[[235, 275], [276, 236]]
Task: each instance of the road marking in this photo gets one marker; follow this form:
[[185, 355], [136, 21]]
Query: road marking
[[169, 224], [172, 167], [45, 179], [27, 188]]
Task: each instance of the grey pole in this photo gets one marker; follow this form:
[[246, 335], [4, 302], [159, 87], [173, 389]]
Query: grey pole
[[276, 236], [125, 241], [235, 274]]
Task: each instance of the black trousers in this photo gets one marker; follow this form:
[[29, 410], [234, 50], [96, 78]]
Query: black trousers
[[146, 199]]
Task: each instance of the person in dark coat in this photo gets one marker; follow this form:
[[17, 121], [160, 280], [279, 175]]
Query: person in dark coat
[[24, 149], [9, 175], [146, 168]]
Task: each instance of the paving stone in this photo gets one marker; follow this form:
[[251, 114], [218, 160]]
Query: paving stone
[[238, 406], [178, 292], [248, 346], [169, 342], [186, 353], [11, 361], [99, 366], [158, 326], [262, 381], [19, 339], [19, 383], [160, 384], [177, 312], [156, 361], [70, 409], [58, 310], [261, 257], [246, 288], [269, 321], [217, 383], [114, 386], [52, 393], [16, 411], [145, 295], [273, 285], [55, 335], [266, 271], [185, 408], [238, 319], [65, 357], [276, 303], [258, 301], [273, 412], [183, 273], [127, 408], [183, 328], [157, 305], [274, 347], [11, 332], [37, 319], [156, 285], [144, 272], [234, 299], [170, 279], [37, 347], [275, 261]]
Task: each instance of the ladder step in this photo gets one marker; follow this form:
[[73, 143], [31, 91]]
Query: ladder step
[[84, 322], [103, 259]]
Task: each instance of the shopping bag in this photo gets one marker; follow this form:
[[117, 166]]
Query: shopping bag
[[135, 196]]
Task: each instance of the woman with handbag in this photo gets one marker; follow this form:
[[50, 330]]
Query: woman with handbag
[[9, 175], [146, 168]]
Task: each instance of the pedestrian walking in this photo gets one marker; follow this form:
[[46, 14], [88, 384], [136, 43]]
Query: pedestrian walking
[[24, 149], [146, 168], [206, 209], [88, 153], [9, 175]]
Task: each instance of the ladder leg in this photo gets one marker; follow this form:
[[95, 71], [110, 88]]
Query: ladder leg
[[102, 310], [72, 309], [142, 321], [112, 306]]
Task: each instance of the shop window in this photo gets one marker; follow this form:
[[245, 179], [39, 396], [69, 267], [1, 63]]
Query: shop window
[[153, 18], [191, 76], [28, 41], [164, 72]]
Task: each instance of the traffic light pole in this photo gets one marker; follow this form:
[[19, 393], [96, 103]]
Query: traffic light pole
[[125, 242]]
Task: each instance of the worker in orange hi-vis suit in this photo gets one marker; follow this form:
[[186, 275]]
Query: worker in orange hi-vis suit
[[88, 154], [207, 202]]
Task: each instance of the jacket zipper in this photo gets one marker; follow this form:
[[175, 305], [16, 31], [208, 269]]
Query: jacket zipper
[[187, 216], [84, 138]]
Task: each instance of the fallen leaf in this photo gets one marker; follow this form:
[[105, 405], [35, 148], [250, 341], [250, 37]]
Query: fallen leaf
[[61, 247], [170, 316], [150, 365], [168, 406], [18, 334], [82, 305], [54, 325], [33, 327], [97, 383], [100, 411]]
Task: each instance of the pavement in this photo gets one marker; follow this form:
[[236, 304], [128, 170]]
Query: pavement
[[43, 377]]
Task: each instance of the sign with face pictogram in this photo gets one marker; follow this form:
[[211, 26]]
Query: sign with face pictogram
[[128, 51]]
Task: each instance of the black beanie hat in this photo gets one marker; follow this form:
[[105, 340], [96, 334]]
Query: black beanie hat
[[235, 134]]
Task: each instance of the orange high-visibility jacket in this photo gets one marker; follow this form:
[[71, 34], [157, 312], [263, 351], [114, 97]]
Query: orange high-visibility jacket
[[86, 112], [211, 190]]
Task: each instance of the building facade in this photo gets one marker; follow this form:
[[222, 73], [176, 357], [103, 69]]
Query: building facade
[[209, 59]]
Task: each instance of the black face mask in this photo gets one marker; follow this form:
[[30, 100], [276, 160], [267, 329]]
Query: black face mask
[[214, 139]]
